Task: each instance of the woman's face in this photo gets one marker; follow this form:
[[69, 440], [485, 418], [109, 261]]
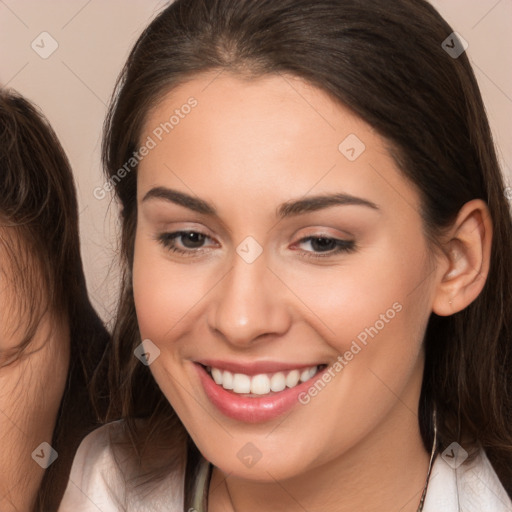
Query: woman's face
[[275, 233]]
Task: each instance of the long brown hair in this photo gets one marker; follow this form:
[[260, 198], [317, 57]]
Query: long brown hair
[[39, 218], [385, 61]]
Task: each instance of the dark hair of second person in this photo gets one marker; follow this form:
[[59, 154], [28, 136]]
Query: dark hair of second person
[[52, 337]]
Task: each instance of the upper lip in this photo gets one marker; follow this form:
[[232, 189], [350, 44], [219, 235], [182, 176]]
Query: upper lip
[[255, 367]]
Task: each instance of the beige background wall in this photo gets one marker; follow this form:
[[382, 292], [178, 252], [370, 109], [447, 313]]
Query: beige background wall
[[73, 85]]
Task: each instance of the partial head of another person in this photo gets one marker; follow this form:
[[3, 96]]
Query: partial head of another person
[[50, 337]]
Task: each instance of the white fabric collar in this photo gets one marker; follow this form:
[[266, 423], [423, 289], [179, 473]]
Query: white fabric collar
[[472, 487]]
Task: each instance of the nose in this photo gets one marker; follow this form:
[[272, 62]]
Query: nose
[[249, 304]]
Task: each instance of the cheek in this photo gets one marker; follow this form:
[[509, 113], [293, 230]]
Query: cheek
[[167, 295], [373, 313], [375, 294], [392, 307], [374, 318]]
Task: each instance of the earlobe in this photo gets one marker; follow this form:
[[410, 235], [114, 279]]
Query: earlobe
[[466, 259]]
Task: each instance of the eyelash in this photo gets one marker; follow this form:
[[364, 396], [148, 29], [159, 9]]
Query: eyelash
[[168, 240], [341, 246]]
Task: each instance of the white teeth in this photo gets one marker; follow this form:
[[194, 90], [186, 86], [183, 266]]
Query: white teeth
[[227, 380], [292, 378], [304, 376], [241, 383], [262, 383], [217, 375], [278, 382], [312, 372]]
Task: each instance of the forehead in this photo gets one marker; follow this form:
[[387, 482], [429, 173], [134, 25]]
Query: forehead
[[253, 111], [275, 135]]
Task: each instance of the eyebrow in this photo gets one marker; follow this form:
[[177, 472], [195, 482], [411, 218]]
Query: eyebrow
[[314, 203], [182, 199], [288, 209]]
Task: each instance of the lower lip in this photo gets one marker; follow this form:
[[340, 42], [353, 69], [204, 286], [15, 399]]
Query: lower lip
[[252, 410]]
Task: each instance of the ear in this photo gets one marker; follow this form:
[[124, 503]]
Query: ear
[[464, 265]]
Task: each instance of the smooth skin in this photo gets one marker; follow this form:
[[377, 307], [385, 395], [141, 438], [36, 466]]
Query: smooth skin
[[249, 147], [31, 388]]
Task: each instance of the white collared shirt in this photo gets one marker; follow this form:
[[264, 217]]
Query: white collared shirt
[[96, 484], [472, 487]]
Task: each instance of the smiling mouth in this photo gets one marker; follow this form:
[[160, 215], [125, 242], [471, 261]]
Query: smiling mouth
[[263, 384]]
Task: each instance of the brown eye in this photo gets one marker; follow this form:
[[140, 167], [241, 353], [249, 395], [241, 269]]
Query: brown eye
[[185, 242], [323, 244], [192, 239]]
